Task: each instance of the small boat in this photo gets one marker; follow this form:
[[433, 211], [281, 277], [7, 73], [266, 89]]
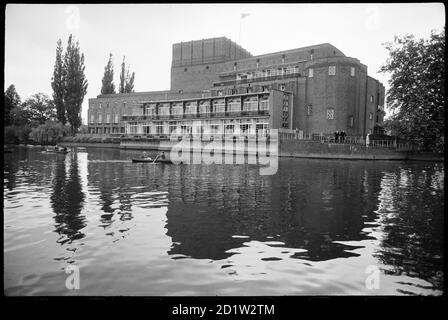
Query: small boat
[[149, 160], [54, 150]]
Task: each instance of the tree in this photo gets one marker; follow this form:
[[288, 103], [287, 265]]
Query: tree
[[75, 84], [12, 100], [126, 80], [50, 132], [58, 84], [40, 108], [108, 78], [417, 89]]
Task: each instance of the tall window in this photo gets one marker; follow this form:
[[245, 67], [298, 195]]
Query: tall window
[[371, 116], [330, 114], [310, 72], [100, 118], [371, 98], [116, 118], [92, 118], [352, 71], [332, 70], [309, 110], [350, 121]]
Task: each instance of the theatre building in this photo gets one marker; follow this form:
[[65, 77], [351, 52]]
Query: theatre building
[[217, 86]]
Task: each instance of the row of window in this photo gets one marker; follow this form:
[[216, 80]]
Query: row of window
[[100, 118], [204, 109], [234, 91], [267, 73], [331, 71]]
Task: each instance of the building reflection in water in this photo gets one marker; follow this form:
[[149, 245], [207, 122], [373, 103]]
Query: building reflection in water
[[306, 207], [320, 207], [67, 199]]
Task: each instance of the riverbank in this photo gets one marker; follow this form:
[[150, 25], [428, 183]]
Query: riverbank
[[286, 148]]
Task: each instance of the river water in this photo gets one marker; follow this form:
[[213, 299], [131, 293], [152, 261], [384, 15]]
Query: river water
[[316, 227]]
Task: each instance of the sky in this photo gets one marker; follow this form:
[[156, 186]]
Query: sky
[[144, 33]]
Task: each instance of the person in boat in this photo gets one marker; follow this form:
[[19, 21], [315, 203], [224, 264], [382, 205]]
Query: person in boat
[[146, 156], [162, 156]]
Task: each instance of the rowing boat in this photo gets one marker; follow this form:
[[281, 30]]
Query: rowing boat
[[151, 160]]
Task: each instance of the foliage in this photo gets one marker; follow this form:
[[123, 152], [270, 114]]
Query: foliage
[[58, 84], [417, 93], [11, 101], [50, 132], [17, 134], [108, 86], [75, 84], [39, 108], [126, 79]]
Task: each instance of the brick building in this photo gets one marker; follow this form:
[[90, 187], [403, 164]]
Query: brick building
[[216, 84]]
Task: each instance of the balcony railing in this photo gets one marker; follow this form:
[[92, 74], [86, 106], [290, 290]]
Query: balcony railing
[[197, 115]]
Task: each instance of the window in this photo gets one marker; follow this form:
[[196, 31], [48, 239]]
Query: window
[[220, 93], [330, 114], [371, 116], [352, 71], [309, 110], [350, 121], [264, 88], [100, 118], [332, 70], [116, 118], [310, 72], [371, 99], [264, 104], [282, 87]]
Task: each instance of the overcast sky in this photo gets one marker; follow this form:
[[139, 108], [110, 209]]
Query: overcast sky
[[144, 33]]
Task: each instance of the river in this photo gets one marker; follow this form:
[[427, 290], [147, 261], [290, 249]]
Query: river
[[316, 227]]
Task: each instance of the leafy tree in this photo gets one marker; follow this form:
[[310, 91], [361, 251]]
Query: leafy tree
[[75, 84], [58, 84], [50, 132], [417, 89], [40, 108], [108, 78], [126, 79], [20, 116], [12, 100]]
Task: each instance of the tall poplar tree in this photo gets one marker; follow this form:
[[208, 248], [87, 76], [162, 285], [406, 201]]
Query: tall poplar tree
[[75, 84], [108, 86], [58, 84], [126, 80]]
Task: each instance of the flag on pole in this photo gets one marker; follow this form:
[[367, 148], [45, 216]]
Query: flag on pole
[[244, 15]]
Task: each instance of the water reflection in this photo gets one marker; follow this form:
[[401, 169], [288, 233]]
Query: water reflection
[[412, 223], [314, 213], [203, 216], [67, 200]]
